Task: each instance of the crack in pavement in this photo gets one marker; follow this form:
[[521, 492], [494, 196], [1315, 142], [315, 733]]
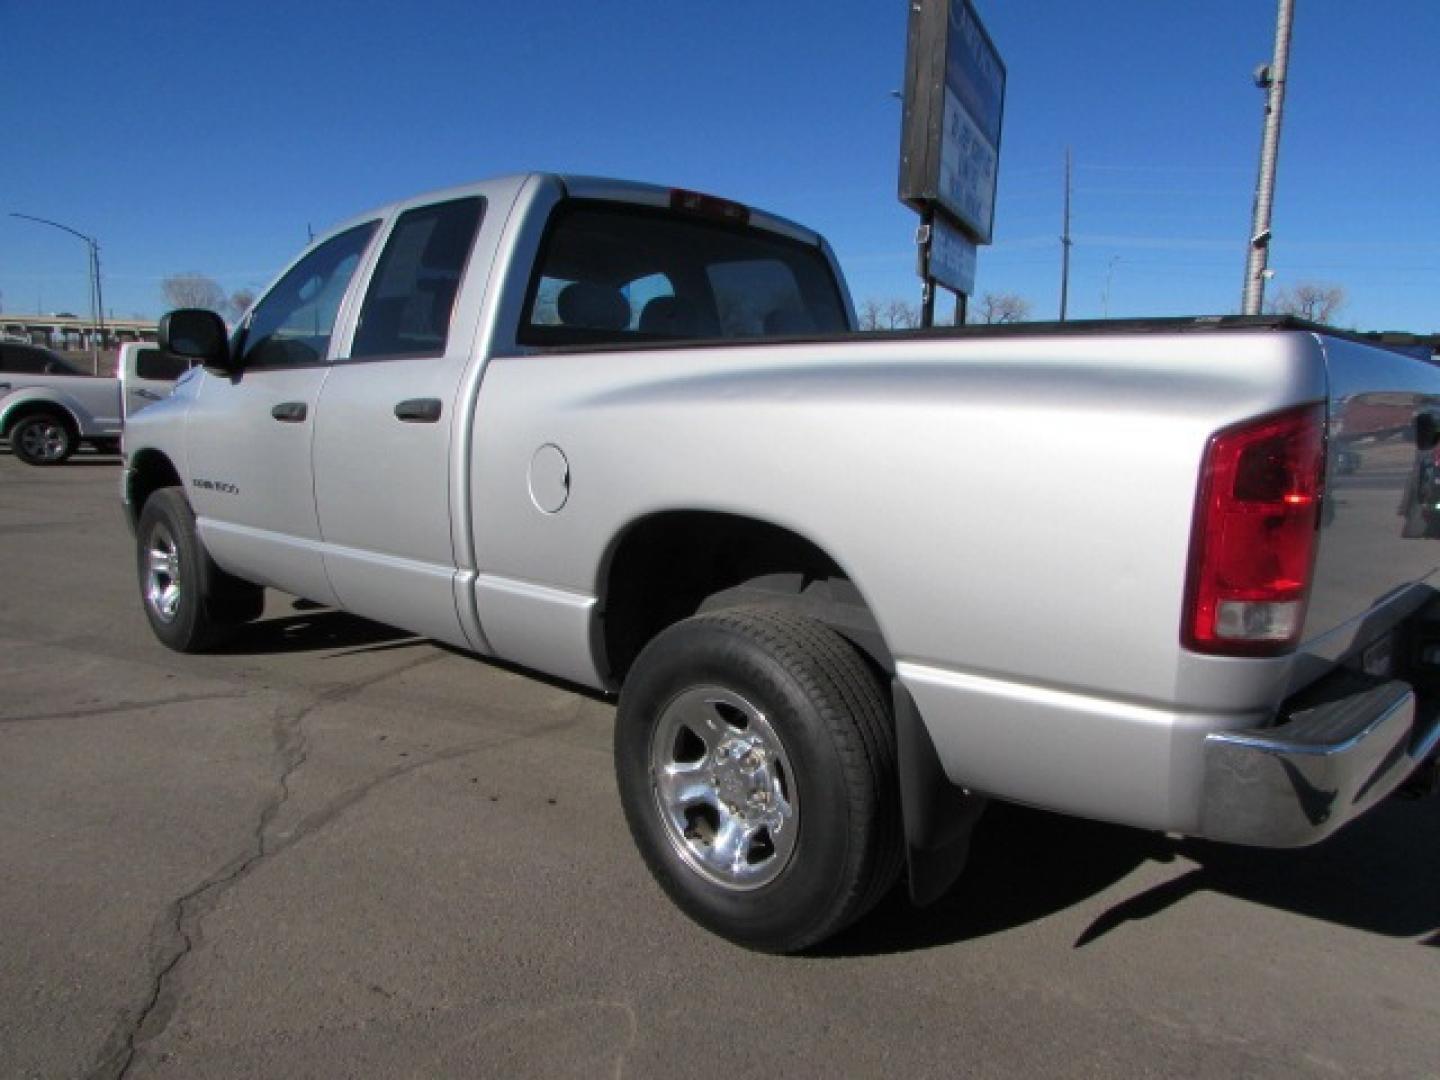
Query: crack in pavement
[[327, 814], [177, 932], [123, 706]]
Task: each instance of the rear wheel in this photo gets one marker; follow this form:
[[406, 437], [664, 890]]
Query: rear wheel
[[755, 756], [42, 439], [191, 604]]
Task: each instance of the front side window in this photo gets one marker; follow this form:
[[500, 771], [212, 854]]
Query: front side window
[[614, 273], [411, 297], [292, 325]]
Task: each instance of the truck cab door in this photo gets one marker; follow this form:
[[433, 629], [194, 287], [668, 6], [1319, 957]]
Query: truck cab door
[[386, 433], [249, 435]]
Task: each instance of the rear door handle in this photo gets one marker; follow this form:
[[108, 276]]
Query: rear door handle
[[424, 410], [290, 412]]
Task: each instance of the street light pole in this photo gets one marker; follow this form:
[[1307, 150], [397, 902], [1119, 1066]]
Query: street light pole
[[97, 309], [1270, 78]]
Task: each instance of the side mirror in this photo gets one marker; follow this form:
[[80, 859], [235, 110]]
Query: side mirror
[[199, 335]]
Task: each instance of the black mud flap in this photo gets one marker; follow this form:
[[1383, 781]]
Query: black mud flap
[[939, 817]]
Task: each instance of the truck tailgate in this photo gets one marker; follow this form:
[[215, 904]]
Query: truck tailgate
[[1381, 510]]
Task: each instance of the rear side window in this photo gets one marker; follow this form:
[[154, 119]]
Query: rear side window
[[291, 326], [157, 365], [609, 272], [411, 298]]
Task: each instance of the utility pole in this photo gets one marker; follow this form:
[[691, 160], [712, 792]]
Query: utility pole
[[1065, 244], [1271, 78], [99, 302]]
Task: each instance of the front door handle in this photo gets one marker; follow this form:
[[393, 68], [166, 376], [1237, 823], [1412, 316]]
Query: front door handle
[[290, 412], [425, 410]]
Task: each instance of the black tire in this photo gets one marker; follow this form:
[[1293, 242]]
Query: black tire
[[192, 605], [687, 783], [43, 439]]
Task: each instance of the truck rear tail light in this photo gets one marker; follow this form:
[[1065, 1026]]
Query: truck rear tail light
[[1252, 551]]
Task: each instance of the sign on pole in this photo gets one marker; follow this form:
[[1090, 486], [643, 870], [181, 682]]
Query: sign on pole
[[950, 139], [952, 257]]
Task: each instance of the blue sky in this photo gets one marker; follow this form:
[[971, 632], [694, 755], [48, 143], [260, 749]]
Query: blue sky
[[207, 136]]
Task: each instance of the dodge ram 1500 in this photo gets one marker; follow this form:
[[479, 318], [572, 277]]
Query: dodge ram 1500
[[847, 587]]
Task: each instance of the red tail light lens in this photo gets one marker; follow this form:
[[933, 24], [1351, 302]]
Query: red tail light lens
[[1252, 551]]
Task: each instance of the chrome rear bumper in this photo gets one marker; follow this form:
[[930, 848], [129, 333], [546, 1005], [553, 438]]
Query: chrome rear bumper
[[1296, 783]]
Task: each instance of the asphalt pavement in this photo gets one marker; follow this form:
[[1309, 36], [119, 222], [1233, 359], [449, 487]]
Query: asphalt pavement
[[336, 850]]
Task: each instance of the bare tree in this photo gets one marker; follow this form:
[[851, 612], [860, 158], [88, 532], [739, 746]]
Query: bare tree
[[1004, 308], [1309, 300], [870, 315], [901, 316], [888, 315], [193, 290], [240, 301]]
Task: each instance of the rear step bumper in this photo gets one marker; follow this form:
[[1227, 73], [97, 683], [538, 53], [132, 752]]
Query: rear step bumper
[[1294, 784]]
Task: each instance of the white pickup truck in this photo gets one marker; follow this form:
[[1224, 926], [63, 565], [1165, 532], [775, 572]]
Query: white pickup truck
[[1177, 574], [49, 407]]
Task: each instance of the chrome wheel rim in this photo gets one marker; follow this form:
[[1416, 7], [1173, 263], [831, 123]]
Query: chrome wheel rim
[[724, 788], [162, 574], [44, 441]]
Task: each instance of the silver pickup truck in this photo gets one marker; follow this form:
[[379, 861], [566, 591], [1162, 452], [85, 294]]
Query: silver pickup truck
[[49, 407], [1176, 574]]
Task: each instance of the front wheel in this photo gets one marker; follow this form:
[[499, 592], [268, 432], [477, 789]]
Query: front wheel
[[191, 603], [755, 757], [42, 439]]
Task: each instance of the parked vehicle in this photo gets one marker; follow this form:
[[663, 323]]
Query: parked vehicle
[[49, 407], [627, 436]]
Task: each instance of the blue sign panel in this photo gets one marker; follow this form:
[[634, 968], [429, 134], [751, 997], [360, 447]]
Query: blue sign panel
[[954, 111]]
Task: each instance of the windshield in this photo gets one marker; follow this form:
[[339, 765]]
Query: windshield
[[614, 273]]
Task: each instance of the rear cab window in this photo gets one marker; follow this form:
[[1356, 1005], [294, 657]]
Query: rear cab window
[[611, 273]]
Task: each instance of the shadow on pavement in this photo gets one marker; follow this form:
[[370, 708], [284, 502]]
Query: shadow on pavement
[[82, 458], [1380, 875], [316, 630]]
